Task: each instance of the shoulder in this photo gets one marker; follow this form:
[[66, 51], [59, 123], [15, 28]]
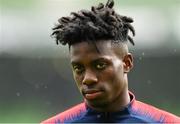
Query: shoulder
[[69, 115], [152, 113]]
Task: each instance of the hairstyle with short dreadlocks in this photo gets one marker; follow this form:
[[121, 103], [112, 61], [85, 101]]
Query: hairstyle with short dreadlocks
[[101, 23]]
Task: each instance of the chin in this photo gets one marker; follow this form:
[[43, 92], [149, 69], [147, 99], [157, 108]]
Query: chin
[[97, 103]]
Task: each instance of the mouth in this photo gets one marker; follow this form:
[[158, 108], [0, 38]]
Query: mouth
[[92, 94]]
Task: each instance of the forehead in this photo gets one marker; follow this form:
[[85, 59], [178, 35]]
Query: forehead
[[85, 49]]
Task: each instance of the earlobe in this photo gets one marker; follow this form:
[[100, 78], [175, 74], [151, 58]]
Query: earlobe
[[128, 62]]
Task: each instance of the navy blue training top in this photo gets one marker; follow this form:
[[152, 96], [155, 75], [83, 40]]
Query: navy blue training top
[[134, 112]]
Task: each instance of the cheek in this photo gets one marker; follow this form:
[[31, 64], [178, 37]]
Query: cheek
[[119, 72], [119, 76], [107, 77], [77, 79], [112, 74], [113, 78], [119, 80]]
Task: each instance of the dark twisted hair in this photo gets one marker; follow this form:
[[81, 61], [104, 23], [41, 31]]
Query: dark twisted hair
[[101, 23]]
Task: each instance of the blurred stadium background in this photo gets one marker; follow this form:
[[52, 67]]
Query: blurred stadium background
[[35, 77]]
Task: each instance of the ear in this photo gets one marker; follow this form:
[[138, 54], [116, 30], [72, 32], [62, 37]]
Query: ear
[[128, 62]]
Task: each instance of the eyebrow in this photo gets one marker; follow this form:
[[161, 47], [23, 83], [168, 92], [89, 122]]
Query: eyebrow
[[95, 60], [101, 59]]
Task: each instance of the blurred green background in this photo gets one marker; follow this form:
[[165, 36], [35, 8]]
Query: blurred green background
[[35, 77]]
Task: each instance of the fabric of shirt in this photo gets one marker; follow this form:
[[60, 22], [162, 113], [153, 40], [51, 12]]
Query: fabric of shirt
[[134, 112]]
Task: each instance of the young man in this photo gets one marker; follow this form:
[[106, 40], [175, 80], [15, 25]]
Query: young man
[[100, 62]]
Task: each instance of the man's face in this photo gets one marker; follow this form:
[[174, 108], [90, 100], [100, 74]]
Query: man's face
[[100, 76]]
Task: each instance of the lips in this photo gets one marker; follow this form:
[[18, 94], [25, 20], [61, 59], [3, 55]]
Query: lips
[[92, 94]]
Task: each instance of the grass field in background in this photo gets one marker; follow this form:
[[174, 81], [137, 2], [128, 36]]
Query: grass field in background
[[23, 113]]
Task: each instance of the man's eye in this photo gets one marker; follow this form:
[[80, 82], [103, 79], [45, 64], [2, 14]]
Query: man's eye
[[78, 69], [101, 66]]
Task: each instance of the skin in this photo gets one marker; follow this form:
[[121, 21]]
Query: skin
[[101, 76]]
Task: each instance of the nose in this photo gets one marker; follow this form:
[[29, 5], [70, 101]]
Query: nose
[[89, 78]]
